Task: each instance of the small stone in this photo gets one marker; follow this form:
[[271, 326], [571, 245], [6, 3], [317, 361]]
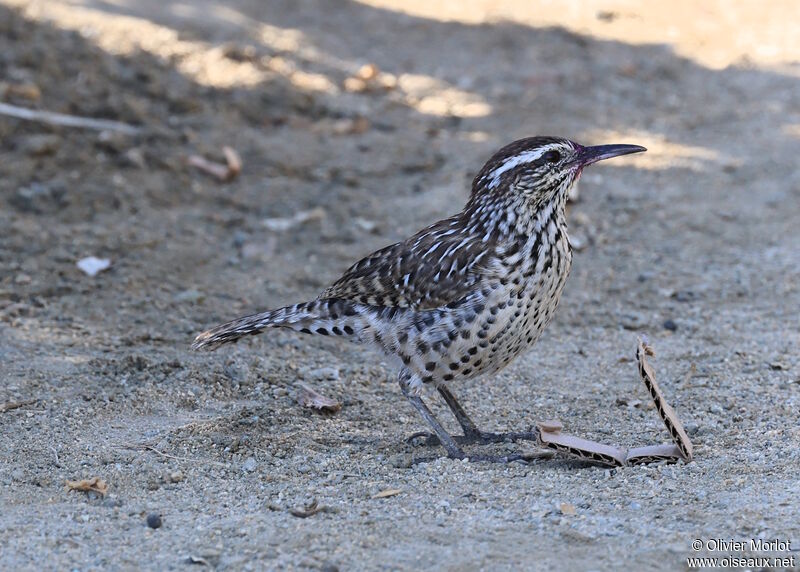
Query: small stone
[[670, 325], [154, 520], [135, 158], [176, 477], [684, 295], [40, 145], [401, 461], [112, 502], [190, 296], [324, 373], [91, 265], [632, 321], [249, 465]]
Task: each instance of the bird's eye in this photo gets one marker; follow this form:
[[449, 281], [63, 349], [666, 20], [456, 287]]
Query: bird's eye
[[552, 156]]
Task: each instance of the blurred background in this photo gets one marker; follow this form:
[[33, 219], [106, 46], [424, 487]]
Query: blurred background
[[260, 147]]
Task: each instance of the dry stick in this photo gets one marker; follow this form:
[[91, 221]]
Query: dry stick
[[52, 118]]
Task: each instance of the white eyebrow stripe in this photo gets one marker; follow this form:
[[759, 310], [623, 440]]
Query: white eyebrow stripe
[[511, 162]]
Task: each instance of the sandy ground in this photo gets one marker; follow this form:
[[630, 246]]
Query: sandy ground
[[695, 244]]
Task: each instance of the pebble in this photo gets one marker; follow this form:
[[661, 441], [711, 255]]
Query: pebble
[[249, 465], [401, 461], [40, 145], [632, 321], [190, 296], [154, 520], [324, 373], [670, 325]]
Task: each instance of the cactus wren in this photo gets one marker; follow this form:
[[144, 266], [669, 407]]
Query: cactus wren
[[463, 297]]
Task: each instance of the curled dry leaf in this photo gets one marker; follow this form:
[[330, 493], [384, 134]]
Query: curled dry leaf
[[310, 398], [95, 484]]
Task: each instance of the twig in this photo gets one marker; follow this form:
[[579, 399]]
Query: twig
[[8, 406], [52, 118]]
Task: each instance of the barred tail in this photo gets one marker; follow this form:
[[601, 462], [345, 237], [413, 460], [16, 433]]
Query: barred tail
[[330, 316]]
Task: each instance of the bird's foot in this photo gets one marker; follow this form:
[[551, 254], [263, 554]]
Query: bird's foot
[[427, 439], [510, 458]]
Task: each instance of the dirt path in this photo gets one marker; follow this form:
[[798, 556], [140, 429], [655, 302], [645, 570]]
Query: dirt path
[[695, 244]]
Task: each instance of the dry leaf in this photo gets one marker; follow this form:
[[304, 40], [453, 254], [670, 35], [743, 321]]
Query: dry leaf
[[95, 484], [310, 398], [568, 509], [387, 493]]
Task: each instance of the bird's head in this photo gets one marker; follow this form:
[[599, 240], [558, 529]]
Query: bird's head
[[541, 169]]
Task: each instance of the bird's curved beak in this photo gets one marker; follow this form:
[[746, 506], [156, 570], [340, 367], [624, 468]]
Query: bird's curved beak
[[589, 155]]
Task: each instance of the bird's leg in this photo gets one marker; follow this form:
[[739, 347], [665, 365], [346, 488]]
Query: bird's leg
[[471, 432], [445, 439]]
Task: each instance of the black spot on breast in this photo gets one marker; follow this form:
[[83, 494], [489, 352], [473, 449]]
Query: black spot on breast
[[322, 331], [430, 366], [465, 359], [336, 331], [422, 347], [448, 376], [402, 338], [465, 334], [348, 330], [427, 379], [466, 371], [454, 366], [305, 330], [477, 363], [472, 351]]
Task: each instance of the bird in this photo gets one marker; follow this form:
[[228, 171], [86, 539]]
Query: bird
[[463, 297]]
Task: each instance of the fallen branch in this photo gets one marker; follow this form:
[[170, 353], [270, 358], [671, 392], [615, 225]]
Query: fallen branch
[[52, 118]]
